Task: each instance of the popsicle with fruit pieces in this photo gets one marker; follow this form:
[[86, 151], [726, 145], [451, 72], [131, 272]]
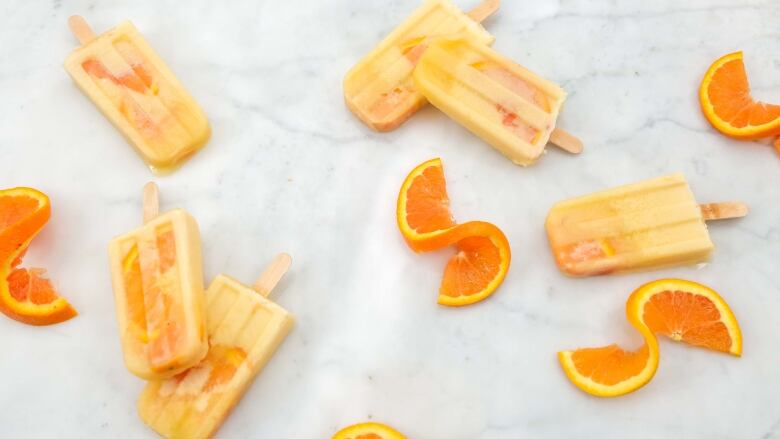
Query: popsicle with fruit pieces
[[379, 89], [157, 275], [505, 104], [245, 329], [651, 224], [137, 92]]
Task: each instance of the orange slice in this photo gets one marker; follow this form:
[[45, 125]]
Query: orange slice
[[727, 104], [777, 145], [368, 430], [611, 371], [479, 266], [424, 218], [25, 295], [423, 210], [688, 312], [682, 310]]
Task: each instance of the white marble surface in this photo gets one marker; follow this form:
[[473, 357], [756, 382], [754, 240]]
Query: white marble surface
[[290, 169]]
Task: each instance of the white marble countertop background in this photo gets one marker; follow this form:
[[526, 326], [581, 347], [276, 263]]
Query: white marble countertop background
[[290, 169]]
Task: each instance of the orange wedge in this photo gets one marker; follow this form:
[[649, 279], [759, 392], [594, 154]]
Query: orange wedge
[[777, 145], [25, 295], [424, 218], [368, 430], [682, 310], [727, 104]]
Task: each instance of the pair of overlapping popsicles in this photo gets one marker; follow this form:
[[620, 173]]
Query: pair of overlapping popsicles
[[441, 55], [199, 351]]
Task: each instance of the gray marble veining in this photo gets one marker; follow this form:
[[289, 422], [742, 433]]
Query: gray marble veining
[[290, 169]]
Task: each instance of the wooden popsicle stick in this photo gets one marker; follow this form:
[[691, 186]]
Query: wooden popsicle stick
[[719, 211], [484, 10], [151, 201], [566, 141], [80, 28], [273, 274]]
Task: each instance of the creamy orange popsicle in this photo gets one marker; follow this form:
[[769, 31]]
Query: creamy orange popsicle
[[156, 271], [379, 89], [651, 224], [244, 328], [137, 92], [511, 108]]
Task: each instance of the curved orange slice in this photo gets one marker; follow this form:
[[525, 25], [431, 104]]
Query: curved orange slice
[[368, 430], [479, 266], [25, 295], [727, 104], [611, 371], [688, 312], [682, 310], [423, 211], [423, 214]]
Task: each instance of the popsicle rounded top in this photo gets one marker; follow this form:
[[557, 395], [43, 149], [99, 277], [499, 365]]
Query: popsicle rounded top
[[646, 225], [379, 89], [138, 93]]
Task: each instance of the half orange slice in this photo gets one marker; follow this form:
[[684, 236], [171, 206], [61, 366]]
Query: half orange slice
[[725, 99], [25, 295]]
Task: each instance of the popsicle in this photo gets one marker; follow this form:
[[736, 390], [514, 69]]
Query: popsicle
[[137, 92], [245, 328], [379, 89], [651, 224], [156, 271], [506, 105]]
